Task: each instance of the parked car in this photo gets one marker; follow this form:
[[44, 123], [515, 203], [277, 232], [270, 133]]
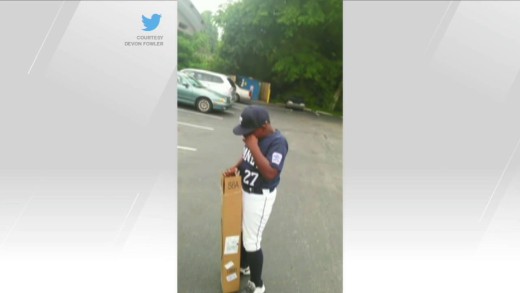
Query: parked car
[[192, 92], [296, 103], [213, 80], [243, 95]]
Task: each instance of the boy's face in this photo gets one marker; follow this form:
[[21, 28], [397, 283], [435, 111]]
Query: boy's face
[[259, 132]]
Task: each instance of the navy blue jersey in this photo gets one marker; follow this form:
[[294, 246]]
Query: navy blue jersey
[[274, 147]]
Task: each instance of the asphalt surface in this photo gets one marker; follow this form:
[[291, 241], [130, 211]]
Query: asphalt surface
[[302, 241]]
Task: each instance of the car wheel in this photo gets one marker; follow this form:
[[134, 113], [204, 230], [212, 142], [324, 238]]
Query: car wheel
[[204, 105], [237, 98]]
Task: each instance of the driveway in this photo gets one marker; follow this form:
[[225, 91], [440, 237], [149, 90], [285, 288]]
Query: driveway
[[302, 242]]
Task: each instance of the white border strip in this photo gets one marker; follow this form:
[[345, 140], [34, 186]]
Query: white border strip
[[45, 39]]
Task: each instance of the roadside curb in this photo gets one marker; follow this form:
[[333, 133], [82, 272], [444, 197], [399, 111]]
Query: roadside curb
[[282, 105], [324, 113]]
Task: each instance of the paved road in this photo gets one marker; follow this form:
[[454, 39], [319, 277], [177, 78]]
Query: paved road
[[303, 239]]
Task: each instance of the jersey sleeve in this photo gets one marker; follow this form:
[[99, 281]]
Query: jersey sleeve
[[277, 153]]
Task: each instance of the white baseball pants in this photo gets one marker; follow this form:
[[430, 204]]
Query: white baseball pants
[[255, 213]]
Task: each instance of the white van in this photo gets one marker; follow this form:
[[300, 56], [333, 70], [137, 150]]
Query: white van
[[213, 80]]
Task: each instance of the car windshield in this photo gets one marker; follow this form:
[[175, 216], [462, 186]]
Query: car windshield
[[194, 82]]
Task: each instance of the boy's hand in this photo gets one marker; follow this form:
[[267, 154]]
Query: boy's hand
[[231, 171], [251, 141]]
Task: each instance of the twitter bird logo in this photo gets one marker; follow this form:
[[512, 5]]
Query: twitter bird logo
[[151, 23]]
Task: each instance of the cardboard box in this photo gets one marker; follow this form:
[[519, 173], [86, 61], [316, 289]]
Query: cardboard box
[[231, 229]]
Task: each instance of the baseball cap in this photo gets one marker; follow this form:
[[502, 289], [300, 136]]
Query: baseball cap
[[252, 117]]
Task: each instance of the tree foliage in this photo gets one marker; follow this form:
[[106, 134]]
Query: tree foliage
[[294, 44], [198, 50]]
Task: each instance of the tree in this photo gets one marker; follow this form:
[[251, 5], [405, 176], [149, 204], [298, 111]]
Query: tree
[[200, 49], [185, 51], [294, 44]]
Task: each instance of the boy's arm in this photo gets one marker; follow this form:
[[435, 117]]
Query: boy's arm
[[232, 171]]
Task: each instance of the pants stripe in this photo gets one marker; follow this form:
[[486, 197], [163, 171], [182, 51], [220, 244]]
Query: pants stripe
[[259, 226]]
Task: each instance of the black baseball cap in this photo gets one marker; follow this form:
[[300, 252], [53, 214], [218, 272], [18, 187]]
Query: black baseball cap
[[252, 117]]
